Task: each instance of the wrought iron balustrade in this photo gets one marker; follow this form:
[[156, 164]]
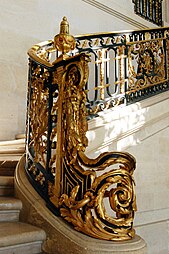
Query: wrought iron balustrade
[[70, 80], [150, 10], [125, 67]]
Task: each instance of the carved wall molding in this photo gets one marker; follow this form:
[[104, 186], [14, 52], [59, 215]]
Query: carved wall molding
[[116, 14]]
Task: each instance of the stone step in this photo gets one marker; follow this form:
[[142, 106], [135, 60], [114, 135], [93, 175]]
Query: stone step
[[7, 167], [6, 186], [10, 153], [20, 238], [9, 209]]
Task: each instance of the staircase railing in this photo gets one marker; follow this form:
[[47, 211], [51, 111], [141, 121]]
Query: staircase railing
[[66, 86], [125, 67], [150, 10]]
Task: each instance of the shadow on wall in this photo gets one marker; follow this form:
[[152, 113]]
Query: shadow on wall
[[115, 129]]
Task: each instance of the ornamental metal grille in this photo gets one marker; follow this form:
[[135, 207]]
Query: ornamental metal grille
[[150, 10]]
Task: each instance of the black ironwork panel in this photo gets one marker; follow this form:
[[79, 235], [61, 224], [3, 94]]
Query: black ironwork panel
[[150, 10]]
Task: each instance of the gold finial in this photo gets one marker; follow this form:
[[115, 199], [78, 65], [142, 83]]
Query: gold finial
[[63, 41], [64, 26]]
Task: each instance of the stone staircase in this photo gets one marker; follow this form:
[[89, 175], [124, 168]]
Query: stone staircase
[[15, 237]]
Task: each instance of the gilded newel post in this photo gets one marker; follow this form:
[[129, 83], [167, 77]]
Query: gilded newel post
[[101, 205], [74, 70]]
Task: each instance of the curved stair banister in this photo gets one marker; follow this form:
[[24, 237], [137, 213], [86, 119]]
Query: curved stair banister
[[74, 186], [125, 67]]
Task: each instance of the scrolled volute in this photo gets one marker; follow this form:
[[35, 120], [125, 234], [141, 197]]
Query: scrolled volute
[[98, 202]]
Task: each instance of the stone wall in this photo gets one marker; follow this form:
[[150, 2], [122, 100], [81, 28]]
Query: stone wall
[[25, 23]]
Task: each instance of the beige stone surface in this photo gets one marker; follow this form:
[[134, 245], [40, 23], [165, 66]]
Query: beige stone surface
[[9, 209], [19, 238], [10, 153], [18, 233], [6, 186], [6, 180], [10, 203], [27, 248]]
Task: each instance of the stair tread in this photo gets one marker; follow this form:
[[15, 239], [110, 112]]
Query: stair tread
[[9, 157], [13, 233], [7, 180], [12, 150], [8, 163], [10, 203], [13, 143], [7, 171], [7, 166]]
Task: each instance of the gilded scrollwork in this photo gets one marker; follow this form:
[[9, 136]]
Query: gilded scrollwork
[[89, 214], [146, 63], [75, 112], [38, 114], [82, 195]]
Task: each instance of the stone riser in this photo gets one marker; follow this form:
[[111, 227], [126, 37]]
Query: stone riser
[[9, 215], [7, 171], [6, 191], [9, 209], [6, 186], [28, 248], [20, 238]]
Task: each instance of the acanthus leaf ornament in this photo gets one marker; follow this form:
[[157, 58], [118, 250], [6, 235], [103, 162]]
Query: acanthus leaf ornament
[[79, 192]]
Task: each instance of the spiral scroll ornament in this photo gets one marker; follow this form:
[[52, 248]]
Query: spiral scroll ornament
[[99, 205]]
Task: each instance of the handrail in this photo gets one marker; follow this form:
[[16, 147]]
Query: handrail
[[41, 51]]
